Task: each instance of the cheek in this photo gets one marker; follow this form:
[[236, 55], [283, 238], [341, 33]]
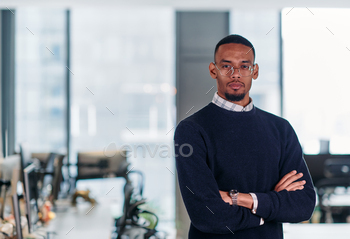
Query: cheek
[[220, 82], [249, 85]]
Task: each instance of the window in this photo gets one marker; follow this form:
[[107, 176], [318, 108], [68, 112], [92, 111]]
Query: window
[[316, 55], [262, 29], [123, 92], [40, 79]]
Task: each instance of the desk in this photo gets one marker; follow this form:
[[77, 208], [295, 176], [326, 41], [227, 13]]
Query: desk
[[319, 231], [82, 221]]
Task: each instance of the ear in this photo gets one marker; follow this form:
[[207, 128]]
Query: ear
[[256, 71], [212, 70]]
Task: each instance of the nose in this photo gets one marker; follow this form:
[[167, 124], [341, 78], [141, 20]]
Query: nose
[[235, 73]]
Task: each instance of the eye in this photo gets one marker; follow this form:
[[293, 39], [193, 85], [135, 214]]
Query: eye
[[245, 67], [226, 67]]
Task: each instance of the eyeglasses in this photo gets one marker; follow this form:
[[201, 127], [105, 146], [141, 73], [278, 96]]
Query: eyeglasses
[[228, 70]]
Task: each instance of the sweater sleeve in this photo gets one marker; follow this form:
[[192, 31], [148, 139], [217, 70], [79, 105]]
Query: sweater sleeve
[[200, 192], [284, 206]]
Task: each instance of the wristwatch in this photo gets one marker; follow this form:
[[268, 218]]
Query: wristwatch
[[234, 195]]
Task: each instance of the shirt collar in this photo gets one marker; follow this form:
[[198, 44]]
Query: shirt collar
[[221, 102]]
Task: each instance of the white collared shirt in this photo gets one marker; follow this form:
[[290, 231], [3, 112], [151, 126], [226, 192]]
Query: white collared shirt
[[223, 103]]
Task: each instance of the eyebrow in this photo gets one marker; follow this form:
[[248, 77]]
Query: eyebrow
[[227, 61]]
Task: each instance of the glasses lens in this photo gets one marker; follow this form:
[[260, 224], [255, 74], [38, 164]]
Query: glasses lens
[[225, 70], [246, 70]]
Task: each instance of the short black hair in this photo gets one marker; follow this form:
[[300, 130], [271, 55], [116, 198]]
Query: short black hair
[[234, 38]]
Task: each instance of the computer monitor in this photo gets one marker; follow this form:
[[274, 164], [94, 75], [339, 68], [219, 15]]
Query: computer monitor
[[316, 165], [100, 165], [47, 175], [52, 178], [25, 157], [57, 177], [31, 196], [17, 215]]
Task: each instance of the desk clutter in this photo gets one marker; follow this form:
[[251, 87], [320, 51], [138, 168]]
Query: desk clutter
[[9, 225], [29, 189], [29, 196]]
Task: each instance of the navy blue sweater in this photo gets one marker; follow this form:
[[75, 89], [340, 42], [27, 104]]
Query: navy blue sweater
[[217, 149]]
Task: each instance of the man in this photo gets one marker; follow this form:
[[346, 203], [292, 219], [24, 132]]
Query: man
[[241, 170]]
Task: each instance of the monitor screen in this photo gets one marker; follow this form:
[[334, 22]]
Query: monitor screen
[[101, 164], [17, 215], [31, 196], [25, 158]]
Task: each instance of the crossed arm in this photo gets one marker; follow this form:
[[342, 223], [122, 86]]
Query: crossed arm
[[288, 182], [207, 206]]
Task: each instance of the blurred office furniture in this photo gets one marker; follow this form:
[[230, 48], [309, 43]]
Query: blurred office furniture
[[101, 164], [8, 164], [31, 196], [10, 173], [85, 194], [4, 186], [57, 178], [93, 165], [324, 146], [48, 167], [10, 192], [26, 158], [34, 203], [135, 222], [16, 212], [50, 176], [17, 215], [328, 173]]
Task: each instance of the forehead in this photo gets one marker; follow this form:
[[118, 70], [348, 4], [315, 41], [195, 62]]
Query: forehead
[[234, 52]]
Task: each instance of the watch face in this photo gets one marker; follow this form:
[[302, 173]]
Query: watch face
[[233, 192]]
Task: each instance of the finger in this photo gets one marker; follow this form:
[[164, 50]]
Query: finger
[[288, 182], [291, 179], [296, 188], [296, 185], [288, 175], [225, 197]]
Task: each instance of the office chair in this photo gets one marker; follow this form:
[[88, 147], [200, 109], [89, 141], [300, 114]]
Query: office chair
[[337, 174], [135, 222]]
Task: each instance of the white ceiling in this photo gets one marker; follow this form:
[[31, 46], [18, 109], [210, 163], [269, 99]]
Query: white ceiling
[[179, 4]]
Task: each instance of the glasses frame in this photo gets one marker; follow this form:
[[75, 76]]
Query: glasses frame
[[252, 68]]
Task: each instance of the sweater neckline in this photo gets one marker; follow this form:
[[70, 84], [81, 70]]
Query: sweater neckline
[[230, 112]]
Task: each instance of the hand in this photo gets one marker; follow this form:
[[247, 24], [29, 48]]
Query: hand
[[289, 182], [226, 197], [243, 199]]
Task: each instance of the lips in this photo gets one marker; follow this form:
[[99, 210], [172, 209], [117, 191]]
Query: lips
[[235, 85]]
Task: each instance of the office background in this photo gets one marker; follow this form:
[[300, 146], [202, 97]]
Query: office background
[[79, 76]]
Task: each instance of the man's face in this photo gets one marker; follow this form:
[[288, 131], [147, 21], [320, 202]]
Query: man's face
[[235, 87]]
